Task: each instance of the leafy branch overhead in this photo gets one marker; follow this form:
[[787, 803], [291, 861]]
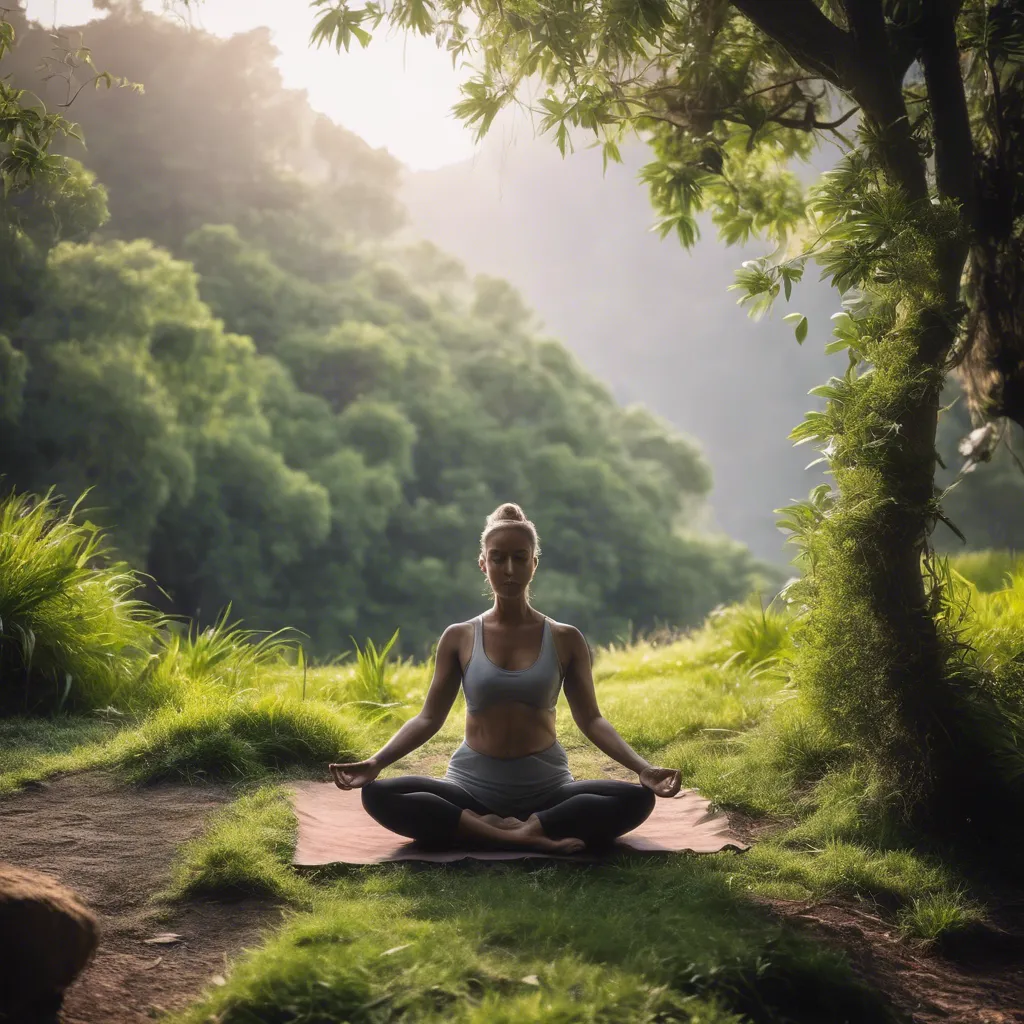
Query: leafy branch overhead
[[34, 179]]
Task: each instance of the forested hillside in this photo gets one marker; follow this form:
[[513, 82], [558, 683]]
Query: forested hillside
[[278, 403], [656, 322]]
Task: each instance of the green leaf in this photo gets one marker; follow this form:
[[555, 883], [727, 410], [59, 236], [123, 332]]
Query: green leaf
[[801, 325]]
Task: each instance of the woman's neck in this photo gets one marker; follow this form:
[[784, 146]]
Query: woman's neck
[[512, 611]]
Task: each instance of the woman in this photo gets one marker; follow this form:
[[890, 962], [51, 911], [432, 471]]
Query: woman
[[509, 784]]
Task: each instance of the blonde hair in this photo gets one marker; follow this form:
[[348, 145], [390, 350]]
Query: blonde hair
[[509, 514]]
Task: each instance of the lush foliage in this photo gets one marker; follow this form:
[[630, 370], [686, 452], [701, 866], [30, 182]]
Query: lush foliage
[[72, 635], [727, 94], [297, 414]]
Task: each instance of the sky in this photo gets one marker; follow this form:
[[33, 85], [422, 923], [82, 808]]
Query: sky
[[398, 93]]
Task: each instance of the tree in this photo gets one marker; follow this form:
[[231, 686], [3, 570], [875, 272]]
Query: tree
[[728, 93]]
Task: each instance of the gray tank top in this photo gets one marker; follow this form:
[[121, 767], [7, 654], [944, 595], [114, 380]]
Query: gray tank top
[[485, 684]]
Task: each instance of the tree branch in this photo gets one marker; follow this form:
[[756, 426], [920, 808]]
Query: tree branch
[[859, 62], [813, 41], [951, 125], [814, 125]]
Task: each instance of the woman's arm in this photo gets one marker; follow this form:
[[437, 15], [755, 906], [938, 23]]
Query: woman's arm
[[441, 694], [579, 691]]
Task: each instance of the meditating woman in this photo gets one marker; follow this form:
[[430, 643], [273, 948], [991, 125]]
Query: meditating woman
[[509, 784]]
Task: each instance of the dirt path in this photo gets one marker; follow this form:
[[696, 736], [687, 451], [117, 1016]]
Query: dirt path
[[981, 982], [113, 845]]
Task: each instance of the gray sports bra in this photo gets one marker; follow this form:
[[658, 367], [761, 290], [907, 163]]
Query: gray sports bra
[[485, 684]]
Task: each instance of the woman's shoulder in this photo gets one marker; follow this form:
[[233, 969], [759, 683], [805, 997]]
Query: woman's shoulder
[[563, 629], [569, 643], [568, 639], [458, 629]]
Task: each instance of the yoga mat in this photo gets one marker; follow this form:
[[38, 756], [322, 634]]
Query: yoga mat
[[334, 829]]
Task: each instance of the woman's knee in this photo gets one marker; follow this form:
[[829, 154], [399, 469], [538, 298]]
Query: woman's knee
[[374, 795], [640, 802]]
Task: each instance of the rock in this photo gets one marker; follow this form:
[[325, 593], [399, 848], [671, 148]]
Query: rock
[[46, 937]]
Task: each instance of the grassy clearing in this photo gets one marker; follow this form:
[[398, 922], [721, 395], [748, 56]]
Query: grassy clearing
[[689, 939]]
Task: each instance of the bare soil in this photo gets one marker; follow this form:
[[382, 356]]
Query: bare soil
[[979, 981], [113, 845]]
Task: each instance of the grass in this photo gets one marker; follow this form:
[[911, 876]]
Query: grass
[[988, 570], [662, 942], [29, 747], [688, 939], [71, 634], [245, 852]]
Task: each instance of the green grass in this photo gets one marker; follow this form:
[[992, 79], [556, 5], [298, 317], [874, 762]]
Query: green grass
[[71, 634], [245, 852], [30, 748], [653, 942], [686, 939], [988, 570]]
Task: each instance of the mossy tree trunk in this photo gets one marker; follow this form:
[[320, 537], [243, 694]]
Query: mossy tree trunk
[[875, 661]]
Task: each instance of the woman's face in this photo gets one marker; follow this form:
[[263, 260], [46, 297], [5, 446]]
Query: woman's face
[[508, 561]]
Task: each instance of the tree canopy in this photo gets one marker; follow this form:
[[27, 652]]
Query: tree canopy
[[279, 404]]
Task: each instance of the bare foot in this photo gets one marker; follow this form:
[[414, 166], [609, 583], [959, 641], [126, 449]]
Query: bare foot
[[514, 832], [531, 833]]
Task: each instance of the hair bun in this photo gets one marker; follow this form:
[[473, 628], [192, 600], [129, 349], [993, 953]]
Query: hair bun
[[509, 512]]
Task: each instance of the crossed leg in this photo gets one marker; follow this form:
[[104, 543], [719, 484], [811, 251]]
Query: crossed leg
[[577, 814]]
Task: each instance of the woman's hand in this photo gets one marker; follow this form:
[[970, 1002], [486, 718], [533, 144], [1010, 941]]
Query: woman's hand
[[355, 775], [661, 781]]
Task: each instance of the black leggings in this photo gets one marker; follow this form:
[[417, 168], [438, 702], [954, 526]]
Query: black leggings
[[428, 809]]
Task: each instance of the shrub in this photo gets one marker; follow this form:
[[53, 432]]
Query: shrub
[[71, 635]]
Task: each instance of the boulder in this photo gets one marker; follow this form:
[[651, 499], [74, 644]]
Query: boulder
[[46, 937]]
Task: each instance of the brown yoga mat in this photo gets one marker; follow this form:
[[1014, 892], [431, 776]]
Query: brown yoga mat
[[334, 829]]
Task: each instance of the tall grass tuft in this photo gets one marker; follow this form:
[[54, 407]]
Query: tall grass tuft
[[756, 635], [370, 687], [221, 656], [71, 635]]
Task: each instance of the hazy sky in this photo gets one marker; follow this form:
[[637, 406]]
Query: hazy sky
[[398, 93]]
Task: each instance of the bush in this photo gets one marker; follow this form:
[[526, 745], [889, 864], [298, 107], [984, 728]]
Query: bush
[[71, 635]]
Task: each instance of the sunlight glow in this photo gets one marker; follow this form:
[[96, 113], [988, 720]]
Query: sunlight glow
[[397, 93]]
